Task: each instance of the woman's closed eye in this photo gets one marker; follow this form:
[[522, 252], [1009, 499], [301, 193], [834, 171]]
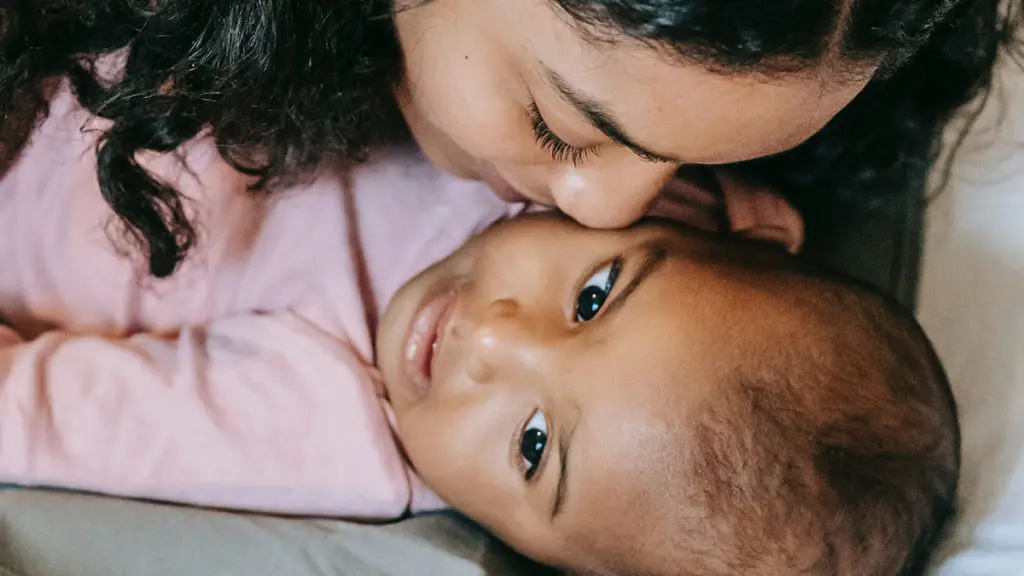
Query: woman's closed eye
[[560, 150], [533, 440], [596, 291]]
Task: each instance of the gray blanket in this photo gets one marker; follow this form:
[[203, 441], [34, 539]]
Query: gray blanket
[[55, 534]]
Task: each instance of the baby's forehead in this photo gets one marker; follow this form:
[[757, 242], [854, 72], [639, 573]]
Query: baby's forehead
[[626, 501], [623, 462], [642, 483], [665, 360], [658, 362]]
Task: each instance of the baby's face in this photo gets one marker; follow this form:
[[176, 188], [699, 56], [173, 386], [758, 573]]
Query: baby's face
[[541, 376]]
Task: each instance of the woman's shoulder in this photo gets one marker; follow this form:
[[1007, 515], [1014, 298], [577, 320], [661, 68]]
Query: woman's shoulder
[[409, 214], [401, 182]]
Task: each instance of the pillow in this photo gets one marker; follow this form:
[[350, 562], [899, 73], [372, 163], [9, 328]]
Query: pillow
[[972, 305]]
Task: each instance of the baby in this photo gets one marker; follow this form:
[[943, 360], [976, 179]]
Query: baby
[[646, 401], [657, 401]]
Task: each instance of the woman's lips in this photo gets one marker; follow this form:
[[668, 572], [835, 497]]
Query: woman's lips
[[424, 339]]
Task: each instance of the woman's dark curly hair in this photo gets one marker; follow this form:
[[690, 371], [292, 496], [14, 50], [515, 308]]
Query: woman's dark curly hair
[[285, 85], [282, 85]]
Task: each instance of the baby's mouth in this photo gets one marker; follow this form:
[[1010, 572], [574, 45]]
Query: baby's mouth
[[425, 338]]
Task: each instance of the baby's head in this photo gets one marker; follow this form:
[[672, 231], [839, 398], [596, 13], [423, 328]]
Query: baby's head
[[659, 401]]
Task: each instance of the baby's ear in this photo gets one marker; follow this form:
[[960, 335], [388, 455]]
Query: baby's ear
[[761, 214]]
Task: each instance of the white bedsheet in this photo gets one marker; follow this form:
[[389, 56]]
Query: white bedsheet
[[972, 304]]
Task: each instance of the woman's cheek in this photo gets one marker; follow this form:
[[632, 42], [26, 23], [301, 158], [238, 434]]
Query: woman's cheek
[[483, 112], [466, 80], [486, 122]]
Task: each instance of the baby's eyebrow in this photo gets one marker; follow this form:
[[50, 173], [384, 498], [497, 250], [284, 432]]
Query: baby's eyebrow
[[654, 255], [563, 468], [652, 259]]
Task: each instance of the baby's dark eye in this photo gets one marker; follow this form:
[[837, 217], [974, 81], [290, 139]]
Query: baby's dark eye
[[533, 442], [594, 293]]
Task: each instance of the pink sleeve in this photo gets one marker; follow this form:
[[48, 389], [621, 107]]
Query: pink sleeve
[[254, 412]]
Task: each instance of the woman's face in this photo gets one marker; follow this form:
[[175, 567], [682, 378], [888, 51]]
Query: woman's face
[[510, 92]]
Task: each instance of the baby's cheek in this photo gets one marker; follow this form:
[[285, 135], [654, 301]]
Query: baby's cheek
[[459, 442], [437, 454]]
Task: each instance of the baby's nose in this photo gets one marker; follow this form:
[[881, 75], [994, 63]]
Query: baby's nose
[[502, 343]]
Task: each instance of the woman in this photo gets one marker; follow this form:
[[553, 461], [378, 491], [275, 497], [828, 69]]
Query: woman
[[590, 105]]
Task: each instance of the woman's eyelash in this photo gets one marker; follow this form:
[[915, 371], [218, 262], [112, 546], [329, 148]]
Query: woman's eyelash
[[560, 150]]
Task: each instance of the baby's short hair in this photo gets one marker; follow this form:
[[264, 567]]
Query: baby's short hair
[[833, 448]]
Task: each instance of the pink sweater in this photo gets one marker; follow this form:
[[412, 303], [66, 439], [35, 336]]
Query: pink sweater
[[245, 381]]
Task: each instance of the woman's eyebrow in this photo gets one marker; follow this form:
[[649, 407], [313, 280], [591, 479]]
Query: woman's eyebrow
[[602, 119]]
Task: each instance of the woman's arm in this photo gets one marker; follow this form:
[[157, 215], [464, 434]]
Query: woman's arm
[[255, 412]]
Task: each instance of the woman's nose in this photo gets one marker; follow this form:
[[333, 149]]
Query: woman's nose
[[504, 343], [609, 194]]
